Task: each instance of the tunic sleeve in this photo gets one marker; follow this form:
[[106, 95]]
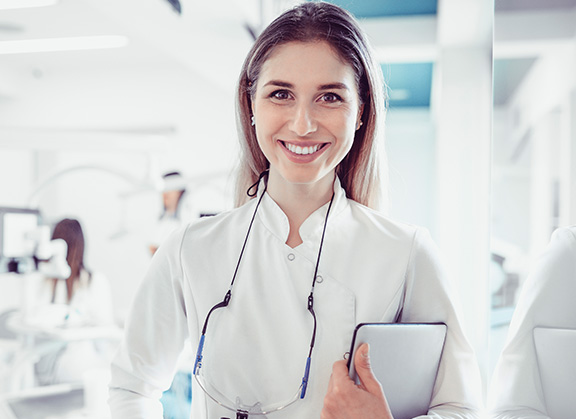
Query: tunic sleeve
[[547, 300], [457, 390], [154, 338]]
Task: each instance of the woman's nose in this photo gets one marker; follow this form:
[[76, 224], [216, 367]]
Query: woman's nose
[[303, 120]]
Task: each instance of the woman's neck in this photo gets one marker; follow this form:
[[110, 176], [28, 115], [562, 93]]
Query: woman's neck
[[298, 201]]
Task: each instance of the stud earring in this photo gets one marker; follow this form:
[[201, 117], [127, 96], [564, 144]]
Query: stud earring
[[360, 123], [253, 121]]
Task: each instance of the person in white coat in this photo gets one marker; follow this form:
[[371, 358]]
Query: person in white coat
[[271, 291], [82, 300], [546, 300], [177, 209]]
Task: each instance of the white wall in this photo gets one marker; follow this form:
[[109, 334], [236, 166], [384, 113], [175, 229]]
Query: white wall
[[533, 143], [410, 145], [510, 217], [17, 172]]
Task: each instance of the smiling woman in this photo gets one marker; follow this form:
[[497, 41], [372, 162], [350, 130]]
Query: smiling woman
[[304, 125], [304, 260], [353, 79]]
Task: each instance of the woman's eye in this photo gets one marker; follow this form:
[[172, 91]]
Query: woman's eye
[[331, 98], [280, 95]]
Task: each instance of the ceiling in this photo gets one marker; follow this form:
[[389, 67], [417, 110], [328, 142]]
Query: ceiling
[[157, 34], [388, 8], [524, 30], [532, 5], [208, 40], [410, 83]]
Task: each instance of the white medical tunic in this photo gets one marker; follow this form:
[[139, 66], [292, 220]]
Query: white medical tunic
[[547, 300], [371, 270]]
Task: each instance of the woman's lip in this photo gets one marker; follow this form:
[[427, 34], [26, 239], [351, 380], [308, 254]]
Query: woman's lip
[[302, 143], [303, 158]]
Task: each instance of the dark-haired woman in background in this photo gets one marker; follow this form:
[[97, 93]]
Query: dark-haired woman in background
[[81, 300]]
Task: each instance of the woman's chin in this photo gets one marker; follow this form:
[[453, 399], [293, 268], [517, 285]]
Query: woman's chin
[[307, 177]]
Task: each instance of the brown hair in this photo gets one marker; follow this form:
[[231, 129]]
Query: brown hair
[[70, 231], [360, 171]]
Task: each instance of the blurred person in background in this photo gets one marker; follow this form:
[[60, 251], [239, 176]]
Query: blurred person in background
[[176, 212], [547, 299], [81, 300]]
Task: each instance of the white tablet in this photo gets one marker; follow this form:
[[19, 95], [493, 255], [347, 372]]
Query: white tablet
[[556, 352], [405, 359]]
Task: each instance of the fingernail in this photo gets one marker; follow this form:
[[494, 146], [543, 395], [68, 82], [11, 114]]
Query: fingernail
[[366, 352]]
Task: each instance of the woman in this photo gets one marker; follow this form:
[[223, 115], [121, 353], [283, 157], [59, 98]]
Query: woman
[[547, 300], [86, 294], [274, 289], [176, 209], [82, 299]]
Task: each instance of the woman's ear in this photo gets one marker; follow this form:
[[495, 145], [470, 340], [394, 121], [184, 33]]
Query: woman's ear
[[360, 112], [252, 107], [359, 117], [253, 121]]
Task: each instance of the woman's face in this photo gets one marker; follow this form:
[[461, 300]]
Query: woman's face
[[306, 108], [171, 199]]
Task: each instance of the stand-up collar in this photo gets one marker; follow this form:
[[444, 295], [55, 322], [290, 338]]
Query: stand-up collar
[[276, 221]]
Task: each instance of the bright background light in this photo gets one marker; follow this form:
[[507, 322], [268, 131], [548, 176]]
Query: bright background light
[[62, 44]]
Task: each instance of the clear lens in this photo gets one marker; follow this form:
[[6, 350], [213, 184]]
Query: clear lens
[[236, 405]]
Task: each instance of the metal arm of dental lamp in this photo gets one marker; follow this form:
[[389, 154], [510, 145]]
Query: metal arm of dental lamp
[[149, 184]]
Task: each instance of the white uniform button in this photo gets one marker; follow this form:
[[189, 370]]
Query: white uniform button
[[319, 279], [291, 256]]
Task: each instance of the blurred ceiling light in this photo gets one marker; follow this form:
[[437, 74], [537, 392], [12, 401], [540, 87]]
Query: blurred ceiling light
[[22, 4], [62, 44], [399, 94]]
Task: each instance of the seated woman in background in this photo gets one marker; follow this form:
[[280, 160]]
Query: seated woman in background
[[82, 299], [547, 300]]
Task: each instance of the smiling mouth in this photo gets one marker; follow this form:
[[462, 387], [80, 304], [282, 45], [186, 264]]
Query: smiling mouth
[[302, 151]]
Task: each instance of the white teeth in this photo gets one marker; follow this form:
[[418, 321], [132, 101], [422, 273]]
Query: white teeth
[[302, 150]]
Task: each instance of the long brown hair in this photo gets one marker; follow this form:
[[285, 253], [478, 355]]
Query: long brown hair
[[360, 172], [70, 231]]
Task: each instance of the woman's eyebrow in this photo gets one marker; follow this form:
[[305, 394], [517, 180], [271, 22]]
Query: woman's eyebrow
[[280, 83], [328, 86]]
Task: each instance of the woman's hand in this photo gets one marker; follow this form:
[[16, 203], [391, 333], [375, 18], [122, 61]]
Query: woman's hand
[[346, 400]]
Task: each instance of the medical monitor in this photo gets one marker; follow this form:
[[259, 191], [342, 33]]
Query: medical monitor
[[17, 229]]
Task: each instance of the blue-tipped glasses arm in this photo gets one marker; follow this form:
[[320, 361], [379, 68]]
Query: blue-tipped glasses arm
[[198, 363], [305, 379]]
